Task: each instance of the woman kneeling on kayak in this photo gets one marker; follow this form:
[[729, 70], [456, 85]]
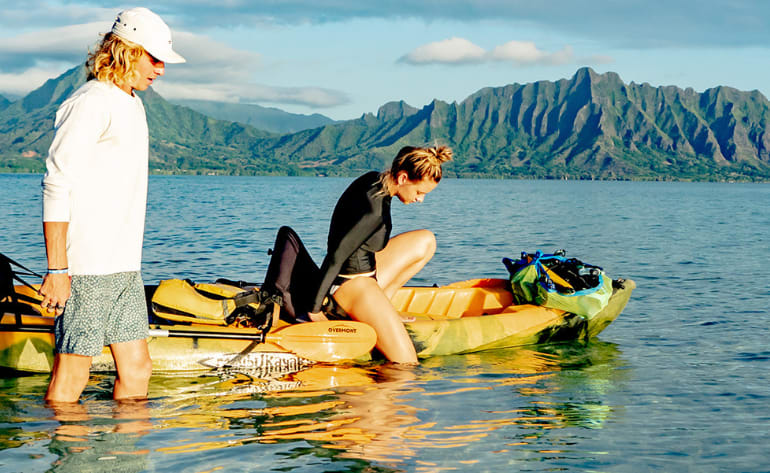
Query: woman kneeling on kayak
[[364, 267]]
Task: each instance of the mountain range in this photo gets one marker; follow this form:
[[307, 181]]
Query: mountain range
[[591, 126], [181, 140], [269, 119]]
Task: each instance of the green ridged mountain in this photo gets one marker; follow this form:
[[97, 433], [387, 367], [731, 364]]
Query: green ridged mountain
[[181, 140], [591, 126]]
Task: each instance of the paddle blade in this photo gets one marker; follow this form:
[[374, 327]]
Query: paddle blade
[[326, 341]]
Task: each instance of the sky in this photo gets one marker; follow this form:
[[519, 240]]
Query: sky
[[343, 58]]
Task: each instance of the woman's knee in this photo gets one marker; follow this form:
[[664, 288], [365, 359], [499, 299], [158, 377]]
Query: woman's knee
[[356, 291], [425, 243]]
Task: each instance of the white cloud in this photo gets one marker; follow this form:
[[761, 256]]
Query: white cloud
[[211, 61], [62, 44], [19, 84], [313, 97], [457, 51], [213, 71], [47, 12], [518, 51], [218, 72], [526, 53], [448, 51]]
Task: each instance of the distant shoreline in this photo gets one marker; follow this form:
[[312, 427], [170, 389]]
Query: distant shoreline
[[469, 177]]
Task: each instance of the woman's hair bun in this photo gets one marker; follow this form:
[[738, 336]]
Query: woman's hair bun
[[442, 153]]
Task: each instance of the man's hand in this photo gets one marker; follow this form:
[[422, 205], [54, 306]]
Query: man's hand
[[55, 291], [56, 286]]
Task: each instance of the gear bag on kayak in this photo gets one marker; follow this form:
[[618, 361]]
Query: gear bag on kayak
[[558, 282], [225, 302]]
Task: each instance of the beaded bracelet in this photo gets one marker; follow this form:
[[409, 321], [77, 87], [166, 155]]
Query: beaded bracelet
[[59, 271]]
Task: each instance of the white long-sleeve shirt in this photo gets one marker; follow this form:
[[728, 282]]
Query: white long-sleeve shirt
[[96, 178]]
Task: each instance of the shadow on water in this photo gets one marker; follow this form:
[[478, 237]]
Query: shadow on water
[[504, 406]]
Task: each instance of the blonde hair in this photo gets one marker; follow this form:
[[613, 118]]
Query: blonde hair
[[418, 163], [114, 60]]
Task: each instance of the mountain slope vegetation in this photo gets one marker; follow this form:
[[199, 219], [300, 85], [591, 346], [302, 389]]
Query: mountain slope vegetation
[[590, 126]]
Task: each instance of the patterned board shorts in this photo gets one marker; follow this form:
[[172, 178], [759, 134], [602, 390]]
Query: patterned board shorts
[[102, 310]]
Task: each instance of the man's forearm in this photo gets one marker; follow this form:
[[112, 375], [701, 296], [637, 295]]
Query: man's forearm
[[56, 244]]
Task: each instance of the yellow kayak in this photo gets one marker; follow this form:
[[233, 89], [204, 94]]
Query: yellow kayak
[[463, 317]]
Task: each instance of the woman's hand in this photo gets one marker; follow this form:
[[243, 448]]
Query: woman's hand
[[317, 316]]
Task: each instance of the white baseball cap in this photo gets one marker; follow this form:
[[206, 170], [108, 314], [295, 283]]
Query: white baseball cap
[[145, 28]]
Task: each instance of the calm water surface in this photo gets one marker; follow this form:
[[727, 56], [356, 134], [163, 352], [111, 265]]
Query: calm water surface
[[678, 383]]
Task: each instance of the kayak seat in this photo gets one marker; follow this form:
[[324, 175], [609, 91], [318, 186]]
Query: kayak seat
[[470, 298]]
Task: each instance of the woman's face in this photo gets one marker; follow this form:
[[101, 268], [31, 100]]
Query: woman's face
[[409, 191]]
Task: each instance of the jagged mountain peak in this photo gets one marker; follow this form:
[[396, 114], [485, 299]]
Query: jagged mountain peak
[[395, 110], [54, 91], [590, 125]]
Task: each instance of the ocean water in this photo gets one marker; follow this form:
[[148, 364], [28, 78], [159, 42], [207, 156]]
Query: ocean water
[[678, 383]]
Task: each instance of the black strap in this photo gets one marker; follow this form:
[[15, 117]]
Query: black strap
[[247, 297], [7, 276], [262, 314], [230, 282], [15, 274]]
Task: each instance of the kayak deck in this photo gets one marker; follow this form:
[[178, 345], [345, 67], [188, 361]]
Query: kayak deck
[[477, 315]]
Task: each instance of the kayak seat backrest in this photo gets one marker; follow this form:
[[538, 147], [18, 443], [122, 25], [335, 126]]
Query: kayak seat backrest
[[291, 274]]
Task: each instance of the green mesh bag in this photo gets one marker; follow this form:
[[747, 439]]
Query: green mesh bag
[[552, 280]]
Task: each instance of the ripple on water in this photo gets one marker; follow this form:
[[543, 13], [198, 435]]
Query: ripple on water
[[749, 357]]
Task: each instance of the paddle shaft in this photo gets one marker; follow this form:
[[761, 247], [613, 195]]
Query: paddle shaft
[[298, 339], [156, 332], [26, 328], [41, 328]]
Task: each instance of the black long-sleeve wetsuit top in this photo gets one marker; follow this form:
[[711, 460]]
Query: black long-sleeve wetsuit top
[[360, 227]]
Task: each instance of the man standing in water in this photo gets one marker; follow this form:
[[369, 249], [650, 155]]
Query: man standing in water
[[94, 204]]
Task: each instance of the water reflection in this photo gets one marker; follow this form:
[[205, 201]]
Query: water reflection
[[389, 414], [97, 435], [98, 441], [503, 406]]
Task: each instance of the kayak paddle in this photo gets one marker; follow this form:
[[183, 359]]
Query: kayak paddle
[[318, 341]]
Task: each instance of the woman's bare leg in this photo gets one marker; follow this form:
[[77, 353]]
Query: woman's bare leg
[[368, 300], [364, 300], [403, 257]]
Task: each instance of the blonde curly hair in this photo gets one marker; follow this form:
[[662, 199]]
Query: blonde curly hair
[[114, 60]]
